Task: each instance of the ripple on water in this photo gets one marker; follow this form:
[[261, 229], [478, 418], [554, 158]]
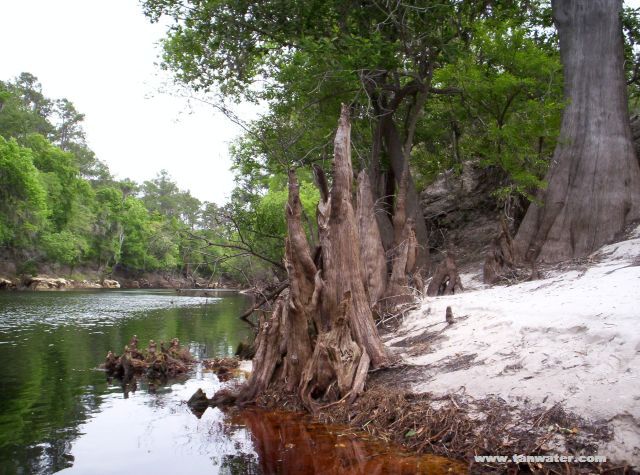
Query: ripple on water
[[20, 311]]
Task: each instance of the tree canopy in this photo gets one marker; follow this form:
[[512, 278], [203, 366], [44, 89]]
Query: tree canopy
[[430, 85], [60, 206]]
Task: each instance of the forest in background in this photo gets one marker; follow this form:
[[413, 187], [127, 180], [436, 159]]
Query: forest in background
[[62, 211], [433, 86]]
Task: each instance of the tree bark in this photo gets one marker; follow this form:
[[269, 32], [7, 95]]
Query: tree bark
[[446, 280], [321, 338], [384, 208], [372, 254], [268, 356], [342, 267], [404, 253], [304, 289], [499, 260], [398, 160], [594, 180]]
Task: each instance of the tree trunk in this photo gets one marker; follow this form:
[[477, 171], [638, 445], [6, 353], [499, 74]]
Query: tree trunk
[[321, 338], [305, 286], [267, 359], [594, 180], [446, 280], [337, 358], [413, 208], [342, 268], [372, 254], [384, 208], [405, 249], [499, 261]]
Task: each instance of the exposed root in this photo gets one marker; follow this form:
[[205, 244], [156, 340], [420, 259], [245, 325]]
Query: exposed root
[[225, 368], [389, 319], [459, 427], [499, 261], [167, 362], [246, 349], [446, 279]]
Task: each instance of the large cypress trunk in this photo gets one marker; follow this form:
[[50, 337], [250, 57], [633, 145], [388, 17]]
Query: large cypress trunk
[[321, 338], [594, 180], [342, 267]]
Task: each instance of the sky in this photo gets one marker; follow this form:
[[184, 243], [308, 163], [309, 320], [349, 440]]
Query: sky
[[102, 55]]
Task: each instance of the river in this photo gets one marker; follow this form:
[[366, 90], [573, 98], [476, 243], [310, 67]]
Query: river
[[58, 412]]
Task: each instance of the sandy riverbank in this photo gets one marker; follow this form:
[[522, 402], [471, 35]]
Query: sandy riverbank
[[569, 340]]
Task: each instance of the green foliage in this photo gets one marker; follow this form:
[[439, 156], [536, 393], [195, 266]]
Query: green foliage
[[107, 230], [22, 195], [148, 241], [59, 203], [60, 177], [69, 130], [162, 195], [461, 81], [508, 111], [137, 233], [269, 212], [23, 107], [631, 34], [308, 57], [64, 247]]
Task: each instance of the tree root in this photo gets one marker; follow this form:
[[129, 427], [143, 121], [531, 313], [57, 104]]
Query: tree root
[[449, 425], [446, 280], [154, 364]]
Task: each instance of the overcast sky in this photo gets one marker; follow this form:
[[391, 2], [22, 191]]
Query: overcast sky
[[101, 55]]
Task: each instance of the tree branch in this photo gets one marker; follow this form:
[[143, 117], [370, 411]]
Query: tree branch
[[246, 248], [264, 298]]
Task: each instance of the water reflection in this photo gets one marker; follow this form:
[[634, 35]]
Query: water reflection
[[289, 443], [57, 412], [156, 433], [52, 342]]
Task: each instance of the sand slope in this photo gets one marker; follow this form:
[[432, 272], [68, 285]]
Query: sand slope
[[572, 337]]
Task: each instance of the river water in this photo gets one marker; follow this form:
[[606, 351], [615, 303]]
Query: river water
[[58, 412]]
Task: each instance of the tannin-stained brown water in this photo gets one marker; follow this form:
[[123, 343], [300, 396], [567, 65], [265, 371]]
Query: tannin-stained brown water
[[58, 411]]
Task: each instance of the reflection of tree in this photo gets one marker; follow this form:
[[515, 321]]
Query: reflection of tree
[[289, 443], [49, 384]]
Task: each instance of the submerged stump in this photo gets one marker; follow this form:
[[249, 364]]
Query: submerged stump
[[168, 362]]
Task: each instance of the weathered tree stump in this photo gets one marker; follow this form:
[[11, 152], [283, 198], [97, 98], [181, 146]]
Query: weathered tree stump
[[198, 403], [155, 365], [403, 253], [499, 262], [448, 316], [446, 280], [321, 339], [372, 254]]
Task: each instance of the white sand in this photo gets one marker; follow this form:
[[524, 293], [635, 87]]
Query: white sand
[[572, 338]]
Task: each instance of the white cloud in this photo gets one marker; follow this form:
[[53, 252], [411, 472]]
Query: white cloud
[[101, 55]]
